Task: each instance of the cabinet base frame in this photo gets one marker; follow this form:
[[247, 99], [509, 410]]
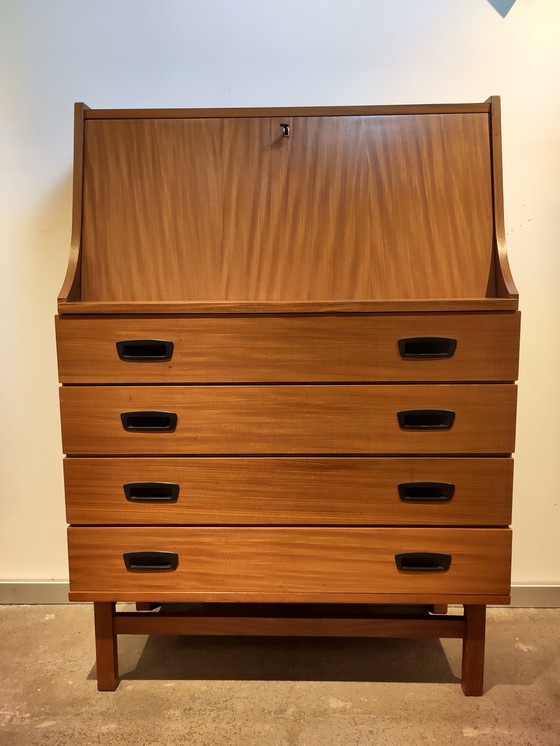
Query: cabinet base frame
[[416, 622]]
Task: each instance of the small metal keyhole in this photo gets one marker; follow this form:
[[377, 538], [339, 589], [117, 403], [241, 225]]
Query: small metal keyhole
[[286, 127]]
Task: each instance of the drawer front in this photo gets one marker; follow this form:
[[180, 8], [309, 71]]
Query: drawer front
[[288, 419], [435, 491], [291, 560], [302, 349]]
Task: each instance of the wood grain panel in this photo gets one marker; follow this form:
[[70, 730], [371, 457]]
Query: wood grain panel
[[289, 348], [346, 208], [289, 490], [290, 560], [288, 419]]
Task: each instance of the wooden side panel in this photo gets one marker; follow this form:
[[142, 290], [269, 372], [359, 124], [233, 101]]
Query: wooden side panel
[[71, 287], [289, 490], [505, 286], [288, 419], [290, 560], [345, 208], [297, 349]]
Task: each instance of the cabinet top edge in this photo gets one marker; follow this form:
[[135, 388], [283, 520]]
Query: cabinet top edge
[[287, 307], [304, 111]]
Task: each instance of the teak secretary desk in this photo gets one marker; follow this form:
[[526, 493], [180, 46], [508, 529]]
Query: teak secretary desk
[[288, 340]]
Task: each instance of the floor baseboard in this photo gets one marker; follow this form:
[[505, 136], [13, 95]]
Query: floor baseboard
[[535, 596], [34, 592]]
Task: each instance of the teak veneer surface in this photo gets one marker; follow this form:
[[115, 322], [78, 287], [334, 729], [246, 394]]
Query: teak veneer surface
[[293, 348], [285, 270], [346, 208], [158, 623], [288, 419], [271, 597], [328, 560], [289, 490], [415, 305]]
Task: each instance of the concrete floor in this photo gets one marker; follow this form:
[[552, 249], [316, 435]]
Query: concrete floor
[[275, 692]]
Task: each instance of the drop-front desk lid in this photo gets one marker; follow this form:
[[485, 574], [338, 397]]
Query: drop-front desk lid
[[288, 210]]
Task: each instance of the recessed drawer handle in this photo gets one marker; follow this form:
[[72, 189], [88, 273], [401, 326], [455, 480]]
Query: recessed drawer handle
[[151, 492], [423, 562], [426, 492], [426, 419], [143, 350], [427, 348], [145, 422], [151, 561]]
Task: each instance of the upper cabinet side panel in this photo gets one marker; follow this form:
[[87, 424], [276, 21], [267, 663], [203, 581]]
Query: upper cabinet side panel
[[345, 208]]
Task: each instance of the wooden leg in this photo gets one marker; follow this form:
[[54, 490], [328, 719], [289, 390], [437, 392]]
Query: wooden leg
[[439, 609], [106, 646], [146, 605], [472, 677]]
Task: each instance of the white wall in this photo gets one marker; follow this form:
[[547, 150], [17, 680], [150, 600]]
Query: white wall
[[189, 53]]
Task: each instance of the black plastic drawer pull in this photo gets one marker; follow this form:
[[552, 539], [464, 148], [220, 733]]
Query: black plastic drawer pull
[[423, 562], [142, 350], [427, 348], [151, 561], [144, 422], [151, 492], [426, 492], [426, 419]]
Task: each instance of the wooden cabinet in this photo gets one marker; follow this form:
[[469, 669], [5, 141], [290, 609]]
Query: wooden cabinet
[[288, 343]]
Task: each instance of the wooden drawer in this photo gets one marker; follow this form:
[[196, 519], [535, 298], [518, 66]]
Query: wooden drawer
[[289, 490], [304, 348], [288, 419], [289, 560]]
